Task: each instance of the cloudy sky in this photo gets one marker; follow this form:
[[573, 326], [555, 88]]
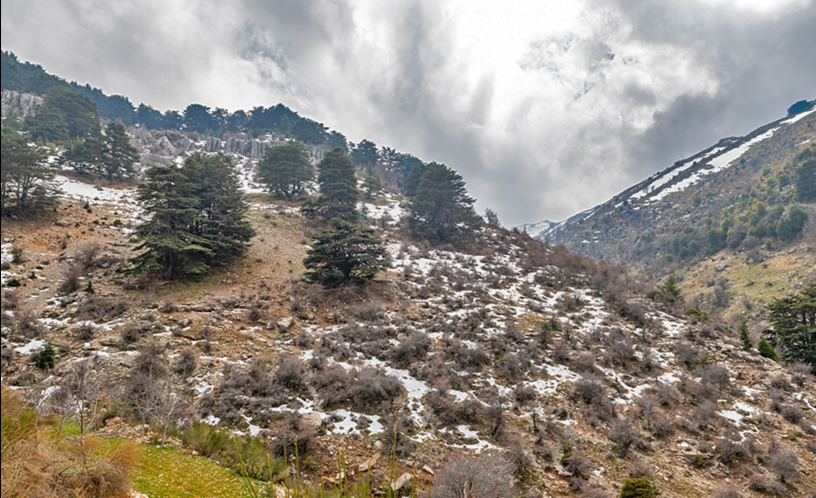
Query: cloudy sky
[[546, 107]]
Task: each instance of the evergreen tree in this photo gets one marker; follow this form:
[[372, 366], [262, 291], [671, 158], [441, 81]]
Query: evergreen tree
[[79, 115], [196, 218], [223, 207], [26, 179], [86, 156], [286, 169], [372, 186], [48, 124], [110, 155], [414, 176], [119, 155], [46, 357], [766, 349], [345, 254], [338, 189], [794, 325], [670, 290], [744, 336], [805, 181], [365, 154], [441, 210]]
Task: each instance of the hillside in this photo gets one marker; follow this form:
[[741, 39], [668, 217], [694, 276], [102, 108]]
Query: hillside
[[720, 219], [511, 345]]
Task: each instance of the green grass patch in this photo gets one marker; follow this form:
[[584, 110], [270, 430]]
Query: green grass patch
[[166, 472]]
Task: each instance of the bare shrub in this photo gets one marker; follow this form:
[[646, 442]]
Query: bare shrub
[[70, 279], [523, 393], [800, 373], [102, 309], [584, 362], [780, 382], [785, 463], [662, 425], [187, 362], [332, 384], [689, 355], [640, 468], [731, 450], [623, 435], [415, 348], [486, 476], [254, 314], [86, 255], [369, 312], [290, 373], [727, 491], [715, 376], [302, 340], [579, 464], [27, 324], [133, 331], [372, 388], [792, 413], [292, 431], [765, 485], [592, 391]]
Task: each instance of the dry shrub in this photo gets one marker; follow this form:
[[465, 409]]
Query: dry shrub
[[70, 279], [485, 476], [102, 309], [36, 463], [765, 485], [27, 324]]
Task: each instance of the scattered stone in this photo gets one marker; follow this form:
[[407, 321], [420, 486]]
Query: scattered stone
[[312, 419], [285, 323], [720, 267], [369, 463], [427, 470], [401, 481]]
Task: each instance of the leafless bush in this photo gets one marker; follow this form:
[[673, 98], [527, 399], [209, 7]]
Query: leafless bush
[[372, 388], [727, 491], [290, 431], [290, 373], [592, 391], [102, 309], [579, 464], [785, 463], [584, 362], [85, 332], [624, 436], [662, 425], [86, 255], [523, 393], [133, 331], [369, 312], [415, 348], [792, 413], [254, 314], [486, 476], [640, 468], [731, 450], [765, 485], [70, 279], [800, 373], [715, 376], [689, 355], [781, 382], [302, 340], [10, 300], [560, 352], [332, 384], [187, 362], [27, 323]]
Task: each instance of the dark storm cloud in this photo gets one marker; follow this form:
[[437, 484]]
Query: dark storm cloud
[[541, 121]]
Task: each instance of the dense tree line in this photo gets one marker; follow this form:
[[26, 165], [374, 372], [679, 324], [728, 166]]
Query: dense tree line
[[110, 155]]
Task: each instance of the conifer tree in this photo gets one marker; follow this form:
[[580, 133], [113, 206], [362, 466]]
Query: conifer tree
[[286, 169], [345, 254], [338, 189], [372, 186], [119, 155], [670, 290], [441, 210], [794, 326], [196, 218], [27, 184]]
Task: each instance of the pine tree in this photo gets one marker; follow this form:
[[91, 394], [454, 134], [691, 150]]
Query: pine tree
[[365, 154], [46, 357], [345, 254], [338, 189], [27, 184], [372, 186], [794, 325], [86, 156], [286, 169], [744, 336], [766, 349], [670, 290], [119, 155], [196, 218], [442, 211]]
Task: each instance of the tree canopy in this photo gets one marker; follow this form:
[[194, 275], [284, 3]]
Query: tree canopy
[[286, 169], [441, 210], [27, 184], [64, 115], [345, 254], [338, 189], [110, 155], [794, 326], [197, 218]]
